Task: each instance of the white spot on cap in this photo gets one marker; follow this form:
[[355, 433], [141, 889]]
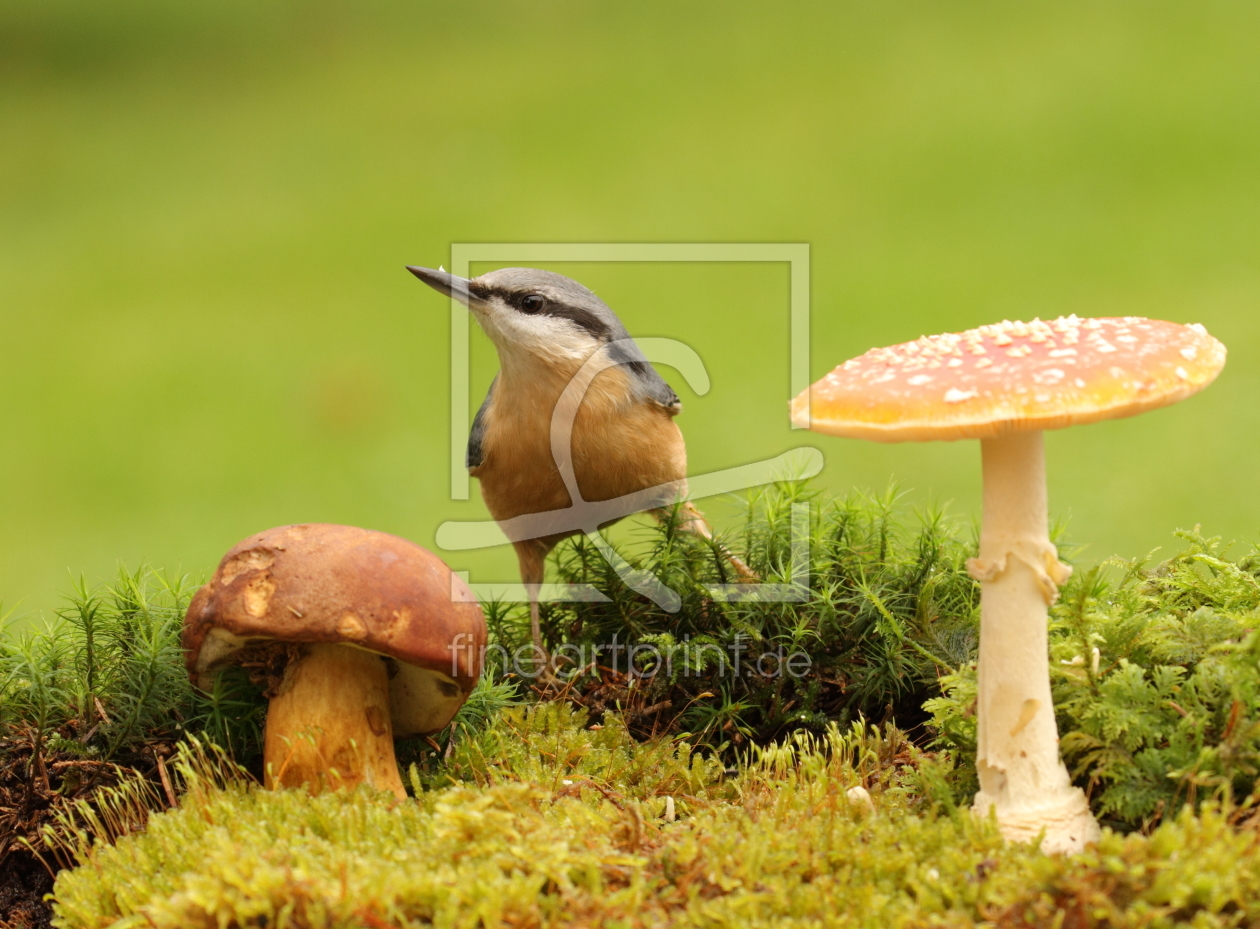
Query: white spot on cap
[[1078, 382], [919, 380], [1197, 327], [1181, 373], [954, 395], [1189, 353], [1062, 353], [1049, 376]]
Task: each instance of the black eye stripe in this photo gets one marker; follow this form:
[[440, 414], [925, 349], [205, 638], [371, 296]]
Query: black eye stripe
[[579, 316]]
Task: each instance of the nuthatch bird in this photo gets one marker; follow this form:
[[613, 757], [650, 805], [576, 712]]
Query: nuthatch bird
[[624, 439]]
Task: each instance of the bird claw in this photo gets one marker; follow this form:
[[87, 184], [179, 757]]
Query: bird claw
[[746, 574]]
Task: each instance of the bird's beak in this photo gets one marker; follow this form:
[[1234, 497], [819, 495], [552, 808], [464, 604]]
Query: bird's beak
[[445, 283]]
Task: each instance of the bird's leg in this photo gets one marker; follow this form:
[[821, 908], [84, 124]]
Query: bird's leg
[[692, 521], [532, 556]]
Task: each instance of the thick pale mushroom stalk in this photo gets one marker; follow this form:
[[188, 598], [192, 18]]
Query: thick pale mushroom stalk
[[1022, 778], [328, 726]]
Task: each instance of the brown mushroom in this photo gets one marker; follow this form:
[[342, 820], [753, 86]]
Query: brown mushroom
[[358, 637], [1004, 384]]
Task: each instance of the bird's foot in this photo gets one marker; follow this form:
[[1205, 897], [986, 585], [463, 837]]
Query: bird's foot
[[746, 574]]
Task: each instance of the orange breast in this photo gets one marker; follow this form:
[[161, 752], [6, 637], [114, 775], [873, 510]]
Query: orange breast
[[618, 447]]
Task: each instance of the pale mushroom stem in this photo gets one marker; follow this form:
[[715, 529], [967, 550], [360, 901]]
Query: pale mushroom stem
[[1021, 775], [329, 725]]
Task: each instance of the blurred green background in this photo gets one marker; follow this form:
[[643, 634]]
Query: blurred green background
[[205, 209]]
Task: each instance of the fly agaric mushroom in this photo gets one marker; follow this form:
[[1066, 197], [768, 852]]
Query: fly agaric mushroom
[[355, 636], [1004, 384]]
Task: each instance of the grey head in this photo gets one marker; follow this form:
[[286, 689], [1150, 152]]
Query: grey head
[[537, 317]]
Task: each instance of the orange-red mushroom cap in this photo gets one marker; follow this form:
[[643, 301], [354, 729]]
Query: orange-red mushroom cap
[[1011, 377]]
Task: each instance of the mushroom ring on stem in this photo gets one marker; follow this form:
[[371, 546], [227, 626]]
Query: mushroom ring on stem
[[358, 638], [1004, 384]]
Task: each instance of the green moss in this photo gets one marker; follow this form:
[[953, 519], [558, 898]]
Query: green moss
[[550, 744], [1155, 684], [106, 678], [782, 843], [886, 606]]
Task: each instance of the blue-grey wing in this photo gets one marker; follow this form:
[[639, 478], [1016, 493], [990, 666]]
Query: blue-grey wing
[[649, 383], [475, 453], [655, 387]]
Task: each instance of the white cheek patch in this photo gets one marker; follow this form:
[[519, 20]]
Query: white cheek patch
[[516, 333]]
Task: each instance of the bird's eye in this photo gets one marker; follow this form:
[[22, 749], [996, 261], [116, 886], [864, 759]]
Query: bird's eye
[[532, 303]]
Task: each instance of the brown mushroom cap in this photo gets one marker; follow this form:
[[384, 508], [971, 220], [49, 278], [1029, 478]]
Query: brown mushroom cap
[[1011, 377], [324, 583]]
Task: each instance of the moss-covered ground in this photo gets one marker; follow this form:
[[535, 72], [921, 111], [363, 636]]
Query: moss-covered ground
[[680, 787], [573, 825]]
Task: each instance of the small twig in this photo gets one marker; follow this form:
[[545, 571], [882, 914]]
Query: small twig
[[572, 681], [1234, 712], [574, 789], [166, 780], [101, 709]]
